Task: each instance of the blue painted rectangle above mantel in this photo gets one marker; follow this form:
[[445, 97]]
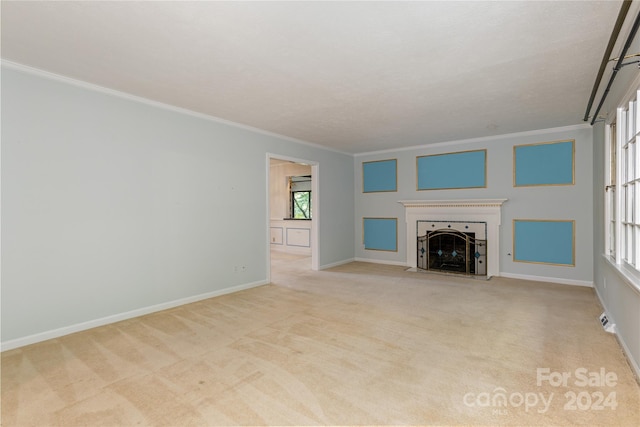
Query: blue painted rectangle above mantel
[[465, 169]]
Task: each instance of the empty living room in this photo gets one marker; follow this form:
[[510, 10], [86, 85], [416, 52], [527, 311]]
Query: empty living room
[[220, 213]]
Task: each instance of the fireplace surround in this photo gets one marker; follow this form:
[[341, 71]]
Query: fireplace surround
[[456, 214], [444, 247]]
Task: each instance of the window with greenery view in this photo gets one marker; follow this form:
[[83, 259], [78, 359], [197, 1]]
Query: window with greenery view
[[300, 189]]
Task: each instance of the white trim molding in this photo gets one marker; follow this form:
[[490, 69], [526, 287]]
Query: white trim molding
[[536, 132], [66, 330], [572, 282], [128, 96], [625, 348], [337, 263], [381, 261]]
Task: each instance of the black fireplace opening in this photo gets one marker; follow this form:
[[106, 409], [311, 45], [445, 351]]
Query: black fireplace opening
[[452, 251]]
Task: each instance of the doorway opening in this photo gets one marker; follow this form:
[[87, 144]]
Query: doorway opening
[[292, 211]]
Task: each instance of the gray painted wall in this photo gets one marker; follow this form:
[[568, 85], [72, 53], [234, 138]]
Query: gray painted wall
[[548, 202], [110, 205]]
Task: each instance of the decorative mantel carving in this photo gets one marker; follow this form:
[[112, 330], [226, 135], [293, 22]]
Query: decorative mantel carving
[[482, 210], [458, 203]]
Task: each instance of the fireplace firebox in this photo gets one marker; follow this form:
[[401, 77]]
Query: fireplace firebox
[[452, 251]]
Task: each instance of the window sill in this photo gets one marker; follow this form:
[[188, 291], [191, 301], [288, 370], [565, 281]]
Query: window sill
[[629, 275], [297, 219]]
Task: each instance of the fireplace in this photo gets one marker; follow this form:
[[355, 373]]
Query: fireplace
[[449, 250], [454, 236]]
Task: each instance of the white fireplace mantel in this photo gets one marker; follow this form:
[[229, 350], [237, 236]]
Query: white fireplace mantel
[[459, 210]]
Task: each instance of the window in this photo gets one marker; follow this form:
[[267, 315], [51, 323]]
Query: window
[[623, 186], [300, 191], [610, 192]]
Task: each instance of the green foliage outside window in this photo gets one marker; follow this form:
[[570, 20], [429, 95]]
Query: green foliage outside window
[[301, 204]]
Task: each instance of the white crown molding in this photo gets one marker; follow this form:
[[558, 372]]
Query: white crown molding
[[101, 89], [480, 139]]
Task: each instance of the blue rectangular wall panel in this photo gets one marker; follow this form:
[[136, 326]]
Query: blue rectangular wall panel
[[379, 176], [451, 171], [548, 242], [380, 234], [544, 164]]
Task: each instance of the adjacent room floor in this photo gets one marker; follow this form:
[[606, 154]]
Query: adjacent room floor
[[359, 344]]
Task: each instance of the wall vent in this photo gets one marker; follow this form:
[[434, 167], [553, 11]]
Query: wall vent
[[607, 324]]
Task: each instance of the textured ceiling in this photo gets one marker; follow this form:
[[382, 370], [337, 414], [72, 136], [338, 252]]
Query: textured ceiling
[[353, 76]]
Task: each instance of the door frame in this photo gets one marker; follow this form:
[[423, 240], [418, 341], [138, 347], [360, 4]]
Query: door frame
[[315, 203]]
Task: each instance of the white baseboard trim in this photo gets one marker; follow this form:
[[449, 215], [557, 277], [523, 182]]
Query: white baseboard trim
[[66, 330], [291, 249], [381, 261], [625, 349], [627, 352], [335, 264], [572, 282]]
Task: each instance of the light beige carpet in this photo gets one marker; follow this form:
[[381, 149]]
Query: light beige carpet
[[360, 344]]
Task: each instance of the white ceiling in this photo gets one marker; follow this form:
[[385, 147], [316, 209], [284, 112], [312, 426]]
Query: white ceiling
[[353, 76]]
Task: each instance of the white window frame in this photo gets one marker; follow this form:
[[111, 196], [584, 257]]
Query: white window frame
[[610, 184], [622, 198]]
